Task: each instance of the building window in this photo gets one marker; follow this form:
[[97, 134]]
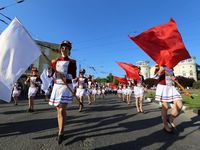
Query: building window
[[191, 73], [146, 74], [184, 73]]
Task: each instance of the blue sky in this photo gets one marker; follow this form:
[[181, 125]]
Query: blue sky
[[99, 29]]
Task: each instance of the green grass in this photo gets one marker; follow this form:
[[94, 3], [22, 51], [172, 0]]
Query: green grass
[[187, 101], [192, 103]]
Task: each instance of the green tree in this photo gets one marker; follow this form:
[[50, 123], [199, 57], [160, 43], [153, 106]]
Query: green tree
[[185, 82], [110, 78], [196, 85], [149, 82]]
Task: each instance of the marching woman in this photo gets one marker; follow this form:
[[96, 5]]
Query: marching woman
[[82, 86], [89, 89], [139, 92], [94, 91], [99, 92], [119, 90], [124, 93], [61, 96], [17, 88], [103, 90], [165, 93], [34, 82], [129, 91]]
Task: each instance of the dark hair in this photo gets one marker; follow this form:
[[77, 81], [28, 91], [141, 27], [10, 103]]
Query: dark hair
[[67, 43], [82, 71]]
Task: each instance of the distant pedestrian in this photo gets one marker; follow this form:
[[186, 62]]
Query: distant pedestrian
[[17, 88], [81, 91], [139, 92], [34, 83]]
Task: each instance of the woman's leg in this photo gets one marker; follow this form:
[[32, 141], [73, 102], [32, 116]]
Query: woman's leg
[[89, 99], [164, 116], [81, 106], [175, 111], [141, 104], [15, 98], [137, 104], [61, 116]]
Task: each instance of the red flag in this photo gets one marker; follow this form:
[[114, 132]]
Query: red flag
[[163, 44], [131, 70], [113, 86], [121, 80]]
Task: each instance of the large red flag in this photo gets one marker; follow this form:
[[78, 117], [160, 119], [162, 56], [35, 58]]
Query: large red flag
[[131, 70], [121, 80], [163, 44]]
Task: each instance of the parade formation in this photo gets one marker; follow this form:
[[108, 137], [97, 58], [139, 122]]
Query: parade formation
[[61, 82]]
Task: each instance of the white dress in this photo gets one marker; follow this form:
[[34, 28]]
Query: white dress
[[60, 92], [167, 93], [34, 84], [81, 90]]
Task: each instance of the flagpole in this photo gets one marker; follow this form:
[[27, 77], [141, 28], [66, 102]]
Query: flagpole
[[49, 61], [182, 88]]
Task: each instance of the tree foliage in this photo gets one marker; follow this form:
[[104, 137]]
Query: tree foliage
[[185, 82], [196, 85], [150, 82], [109, 79]]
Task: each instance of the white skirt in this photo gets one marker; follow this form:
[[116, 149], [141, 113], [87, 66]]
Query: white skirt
[[138, 91], [103, 91], [80, 92], [167, 93], [61, 94], [32, 91], [94, 91], [124, 91], [16, 93], [128, 91], [88, 91], [98, 92], [119, 91]]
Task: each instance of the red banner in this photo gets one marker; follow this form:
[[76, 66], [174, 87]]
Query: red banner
[[131, 70], [163, 44], [121, 80]]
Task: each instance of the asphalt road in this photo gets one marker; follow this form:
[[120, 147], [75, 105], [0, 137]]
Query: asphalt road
[[107, 124]]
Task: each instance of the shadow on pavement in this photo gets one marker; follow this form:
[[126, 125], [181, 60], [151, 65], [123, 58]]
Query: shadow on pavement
[[156, 137]]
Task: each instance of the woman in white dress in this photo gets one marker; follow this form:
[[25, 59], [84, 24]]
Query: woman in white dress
[[16, 92], [166, 93], [34, 82], [61, 95]]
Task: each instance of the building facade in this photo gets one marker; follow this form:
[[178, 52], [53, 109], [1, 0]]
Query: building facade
[[144, 68], [186, 68], [50, 50]]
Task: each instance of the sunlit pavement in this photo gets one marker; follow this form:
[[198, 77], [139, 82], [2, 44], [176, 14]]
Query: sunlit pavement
[[107, 124]]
